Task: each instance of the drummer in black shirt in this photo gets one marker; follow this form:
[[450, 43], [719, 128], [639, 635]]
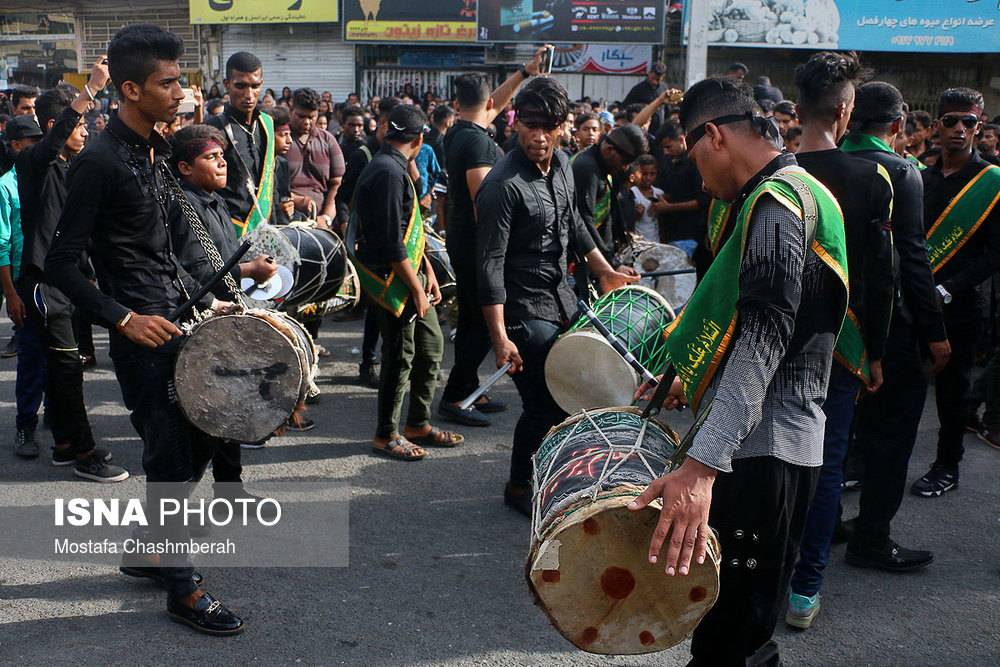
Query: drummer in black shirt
[[117, 205], [528, 222]]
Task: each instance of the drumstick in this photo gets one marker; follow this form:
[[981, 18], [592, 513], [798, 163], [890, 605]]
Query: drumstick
[[213, 281], [675, 272], [661, 391], [474, 396], [681, 453], [616, 344]]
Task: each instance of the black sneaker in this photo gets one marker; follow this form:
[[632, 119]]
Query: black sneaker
[[64, 457], [26, 443], [305, 424], [98, 470], [368, 374], [842, 531], [208, 616], [11, 349], [891, 557], [937, 482]]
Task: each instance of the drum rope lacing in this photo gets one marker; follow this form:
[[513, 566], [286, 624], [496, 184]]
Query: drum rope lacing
[[594, 490], [204, 238]]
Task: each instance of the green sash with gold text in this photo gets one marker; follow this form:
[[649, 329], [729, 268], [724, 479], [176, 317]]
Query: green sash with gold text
[[962, 217]]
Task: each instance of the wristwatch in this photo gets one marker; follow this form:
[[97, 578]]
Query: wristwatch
[[524, 72], [324, 215], [945, 294]]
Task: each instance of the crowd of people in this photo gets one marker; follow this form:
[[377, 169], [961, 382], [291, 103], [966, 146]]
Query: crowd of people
[[840, 240]]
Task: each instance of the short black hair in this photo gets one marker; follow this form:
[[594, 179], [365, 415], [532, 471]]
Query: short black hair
[[472, 90], [350, 111], [671, 129], [386, 105], [921, 117], [766, 105], [306, 99], [714, 97], [963, 96], [183, 139], [793, 132], [645, 160], [763, 81], [582, 118], [825, 81], [135, 49], [441, 114], [992, 126], [877, 106], [21, 92], [212, 106], [739, 66], [410, 119], [280, 115], [242, 61], [633, 110], [51, 103], [786, 107], [630, 137], [543, 95]]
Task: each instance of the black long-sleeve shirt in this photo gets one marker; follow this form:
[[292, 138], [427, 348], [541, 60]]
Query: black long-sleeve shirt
[[214, 215], [914, 280], [977, 260], [117, 202], [865, 198], [356, 162], [384, 202], [41, 185], [590, 174], [527, 223], [245, 152]]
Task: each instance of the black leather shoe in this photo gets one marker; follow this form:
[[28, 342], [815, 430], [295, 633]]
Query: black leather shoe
[[891, 557], [519, 501], [842, 532], [208, 616], [155, 574]]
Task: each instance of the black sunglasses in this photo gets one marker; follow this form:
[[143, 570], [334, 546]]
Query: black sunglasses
[[968, 121]]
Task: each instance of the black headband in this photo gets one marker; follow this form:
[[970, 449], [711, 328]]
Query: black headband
[[765, 125]]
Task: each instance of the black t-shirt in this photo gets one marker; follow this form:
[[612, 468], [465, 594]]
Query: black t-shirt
[[467, 146], [681, 182], [865, 197]]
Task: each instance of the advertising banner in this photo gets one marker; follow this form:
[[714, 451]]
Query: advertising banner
[[574, 21], [263, 11], [410, 21], [958, 26], [602, 58]]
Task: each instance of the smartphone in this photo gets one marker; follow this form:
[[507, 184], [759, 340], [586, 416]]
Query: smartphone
[[546, 68], [187, 104]]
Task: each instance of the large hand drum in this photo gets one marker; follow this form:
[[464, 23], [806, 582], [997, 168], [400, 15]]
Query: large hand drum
[[583, 371], [240, 377], [588, 566], [437, 254], [316, 257]]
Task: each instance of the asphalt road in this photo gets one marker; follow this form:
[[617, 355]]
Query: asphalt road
[[436, 561]]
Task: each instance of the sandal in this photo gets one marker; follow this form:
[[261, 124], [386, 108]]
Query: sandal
[[401, 449], [438, 438]]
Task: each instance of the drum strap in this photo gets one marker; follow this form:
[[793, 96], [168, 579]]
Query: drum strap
[[201, 233]]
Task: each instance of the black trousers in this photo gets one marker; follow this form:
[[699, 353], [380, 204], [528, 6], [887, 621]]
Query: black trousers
[[173, 449], [540, 412], [50, 316], [472, 336], [885, 429], [953, 389], [759, 511]]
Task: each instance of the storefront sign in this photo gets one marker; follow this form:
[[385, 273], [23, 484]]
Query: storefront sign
[[634, 21], [602, 58], [264, 11], [960, 26], [410, 21]]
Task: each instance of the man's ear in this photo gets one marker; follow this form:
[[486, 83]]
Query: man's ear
[[185, 168], [49, 124], [132, 91], [489, 103]]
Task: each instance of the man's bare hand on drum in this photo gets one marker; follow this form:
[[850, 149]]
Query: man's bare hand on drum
[[609, 278], [260, 269], [687, 498], [675, 397], [149, 330]]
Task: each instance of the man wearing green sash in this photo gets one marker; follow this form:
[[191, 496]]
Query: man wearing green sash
[[394, 273], [863, 189], [249, 151], [755, 346], [961, 191]]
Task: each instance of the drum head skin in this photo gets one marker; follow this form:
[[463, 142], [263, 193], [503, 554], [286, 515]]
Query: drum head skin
[[238, 378], [592, 577], [583, 371]]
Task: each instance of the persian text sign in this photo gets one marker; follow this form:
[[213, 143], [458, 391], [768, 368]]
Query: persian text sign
[[263, 11]]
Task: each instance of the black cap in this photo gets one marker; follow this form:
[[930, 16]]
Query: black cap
[[658, 68], [406, 123], [22, 127]]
